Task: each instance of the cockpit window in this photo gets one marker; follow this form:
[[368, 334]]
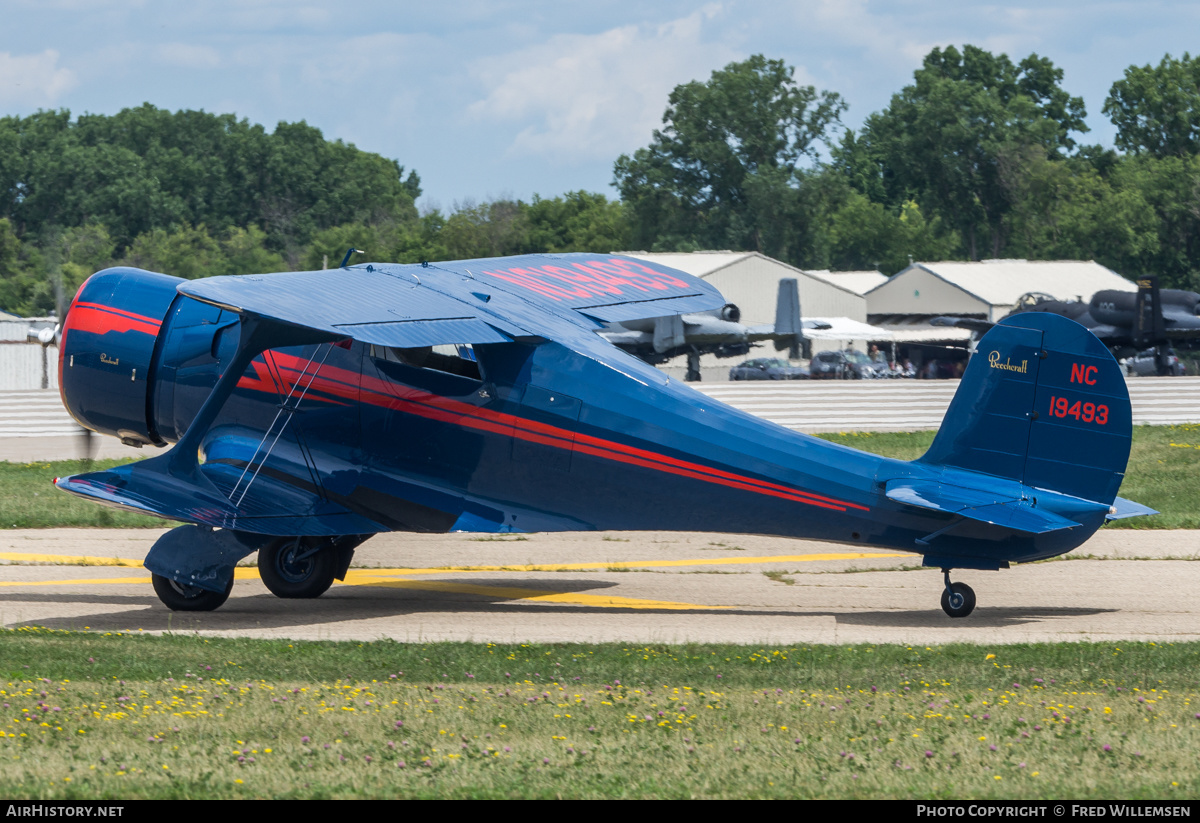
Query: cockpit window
[[451, 359]]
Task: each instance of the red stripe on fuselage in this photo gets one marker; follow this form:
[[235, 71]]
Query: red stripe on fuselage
[[263, 378], [384, 394]]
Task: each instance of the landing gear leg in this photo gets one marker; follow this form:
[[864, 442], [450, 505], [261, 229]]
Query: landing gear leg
[[958, 599], [693, 368]]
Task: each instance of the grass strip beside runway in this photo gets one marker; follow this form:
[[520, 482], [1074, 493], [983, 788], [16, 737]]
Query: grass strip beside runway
[[125, 715]]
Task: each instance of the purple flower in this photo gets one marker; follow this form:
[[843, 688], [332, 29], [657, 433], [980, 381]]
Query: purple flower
[[1107, 747]]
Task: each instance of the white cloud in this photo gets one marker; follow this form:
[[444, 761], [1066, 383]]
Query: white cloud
[[584, 97], [33, 79]]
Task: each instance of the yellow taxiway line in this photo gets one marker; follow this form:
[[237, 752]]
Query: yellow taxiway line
[[396, 578]]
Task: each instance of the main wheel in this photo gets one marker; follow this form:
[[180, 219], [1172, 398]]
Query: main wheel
[[959, 601], [297, 567], [180, 597]]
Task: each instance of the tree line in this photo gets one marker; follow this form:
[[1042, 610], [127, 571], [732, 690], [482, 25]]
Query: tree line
[[977, 157]]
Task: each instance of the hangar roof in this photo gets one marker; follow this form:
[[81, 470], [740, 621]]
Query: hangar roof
[[859, 282], [695, 263], [1001, 282], [703, 263]]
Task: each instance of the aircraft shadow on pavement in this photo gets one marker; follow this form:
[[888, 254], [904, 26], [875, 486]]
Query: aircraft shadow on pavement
[[345, 604]]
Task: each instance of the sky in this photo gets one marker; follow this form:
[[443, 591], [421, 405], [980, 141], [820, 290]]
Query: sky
[[512, 98]]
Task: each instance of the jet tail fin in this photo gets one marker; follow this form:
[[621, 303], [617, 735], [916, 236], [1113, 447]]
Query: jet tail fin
[[1149, 327], [1044, 403], [788, 328]]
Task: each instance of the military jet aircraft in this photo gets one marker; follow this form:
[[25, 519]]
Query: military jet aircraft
[[312, 410], [1126, 322], [659, 339]]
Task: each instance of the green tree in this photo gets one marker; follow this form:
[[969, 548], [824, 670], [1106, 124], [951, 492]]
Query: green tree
[[183, 252], [943, 139], [1171, 187], [867, 235], [577, 221], [1068, 209], [329, 246], [146, 169], [1157, 109], [492, 229], [723, 171], [246, 252], [24, 288], [418, 242]]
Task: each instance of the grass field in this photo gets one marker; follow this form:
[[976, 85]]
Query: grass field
[[129, 716], [1163, 473]]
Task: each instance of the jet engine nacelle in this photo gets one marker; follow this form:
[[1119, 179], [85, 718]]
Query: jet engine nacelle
[[107, 351]]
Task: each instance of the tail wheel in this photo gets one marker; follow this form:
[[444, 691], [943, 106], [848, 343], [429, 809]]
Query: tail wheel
[[958, 600], [298, 567], [180, 597]]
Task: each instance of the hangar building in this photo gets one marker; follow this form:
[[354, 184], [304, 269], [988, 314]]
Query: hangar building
[[750, 280], [988, 289]]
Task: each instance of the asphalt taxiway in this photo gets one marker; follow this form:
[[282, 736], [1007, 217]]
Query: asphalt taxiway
[[643, 587]]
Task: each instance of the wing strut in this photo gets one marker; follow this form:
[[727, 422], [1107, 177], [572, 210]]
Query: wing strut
[[257, 334], [284, 407]]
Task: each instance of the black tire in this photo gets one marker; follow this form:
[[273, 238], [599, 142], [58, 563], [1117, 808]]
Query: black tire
[[297, 567], [180, 597], [964, 597]]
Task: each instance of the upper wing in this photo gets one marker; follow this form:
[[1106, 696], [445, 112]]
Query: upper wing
[[369, 304], [470, 301], [606, 287]]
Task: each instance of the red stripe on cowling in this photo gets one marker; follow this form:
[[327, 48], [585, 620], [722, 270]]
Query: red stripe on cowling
[[123, 312], [99, 320]]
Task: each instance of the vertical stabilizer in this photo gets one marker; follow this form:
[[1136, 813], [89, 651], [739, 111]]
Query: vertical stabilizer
[[1043, 402], [1149, 328], [787, 317]]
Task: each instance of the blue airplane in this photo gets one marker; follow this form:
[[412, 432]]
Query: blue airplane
[[312, 410]]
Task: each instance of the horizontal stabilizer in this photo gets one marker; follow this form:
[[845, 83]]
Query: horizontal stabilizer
[[1122, 508], [996, 508]]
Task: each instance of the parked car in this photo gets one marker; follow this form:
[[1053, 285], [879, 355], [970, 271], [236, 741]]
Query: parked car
[[845, 365], [767, 368], [1144, 364]]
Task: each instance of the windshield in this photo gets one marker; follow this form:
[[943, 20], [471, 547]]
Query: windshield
[[857, 357]]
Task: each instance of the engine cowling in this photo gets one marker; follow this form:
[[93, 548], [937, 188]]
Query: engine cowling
[[107, 351]]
